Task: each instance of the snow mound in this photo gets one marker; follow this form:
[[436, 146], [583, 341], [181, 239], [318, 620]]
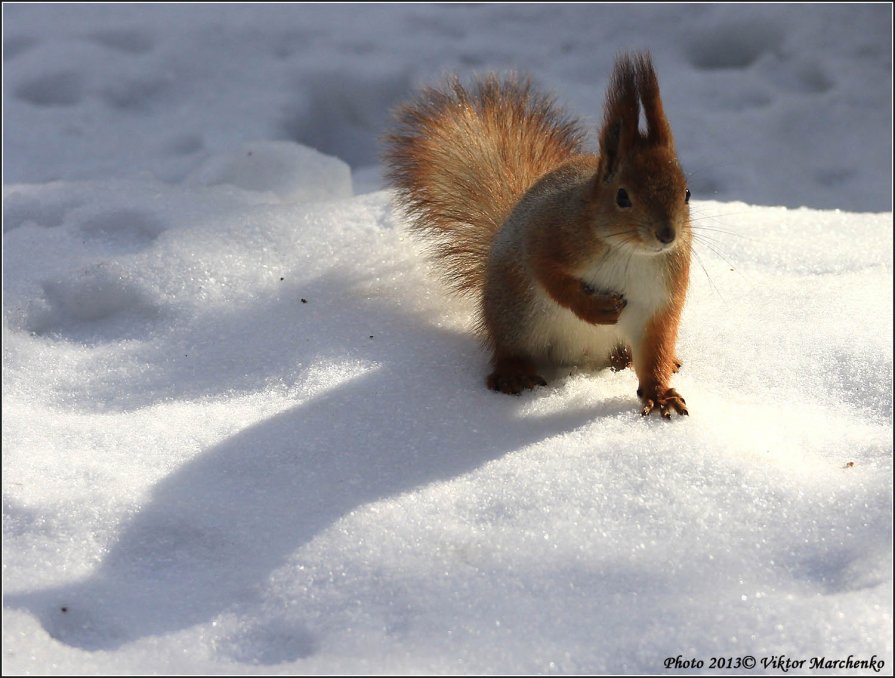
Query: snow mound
[[244, 426], [291, 172]]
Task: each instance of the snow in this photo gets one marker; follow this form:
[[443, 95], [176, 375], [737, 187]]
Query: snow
[[245, 428]]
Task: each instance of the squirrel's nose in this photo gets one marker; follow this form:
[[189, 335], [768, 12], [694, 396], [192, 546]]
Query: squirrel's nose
[[665, 234]]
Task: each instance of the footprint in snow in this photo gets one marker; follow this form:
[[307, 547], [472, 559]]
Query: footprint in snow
[[124, 230], [97, 306]]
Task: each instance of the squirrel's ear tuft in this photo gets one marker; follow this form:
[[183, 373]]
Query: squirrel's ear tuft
[[658, 129], [633, 82], [621, 116]]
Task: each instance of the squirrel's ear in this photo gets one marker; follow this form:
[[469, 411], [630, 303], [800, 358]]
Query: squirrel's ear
[[621, 116], [658, 129], [610, 139]]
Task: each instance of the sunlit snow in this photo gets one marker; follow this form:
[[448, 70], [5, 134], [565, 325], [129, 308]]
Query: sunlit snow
[[245, 428]]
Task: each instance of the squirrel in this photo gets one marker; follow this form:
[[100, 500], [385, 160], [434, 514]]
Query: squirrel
[[574, 258]]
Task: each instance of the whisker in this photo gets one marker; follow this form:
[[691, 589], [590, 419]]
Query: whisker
[[703, 237], [717, 253], [699, 216], [699, 211], [628, 262], [707, 276], [620, 233], [721, 230]]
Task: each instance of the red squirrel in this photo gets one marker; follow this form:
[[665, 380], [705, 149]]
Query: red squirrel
[[574, 258]]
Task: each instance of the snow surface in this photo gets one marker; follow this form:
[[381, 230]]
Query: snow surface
[[245, 429]]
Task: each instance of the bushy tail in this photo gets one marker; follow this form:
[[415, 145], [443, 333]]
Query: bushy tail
[[461, 159]]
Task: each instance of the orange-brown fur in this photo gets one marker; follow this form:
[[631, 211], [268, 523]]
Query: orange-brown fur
[[496, 180], [460, 160]]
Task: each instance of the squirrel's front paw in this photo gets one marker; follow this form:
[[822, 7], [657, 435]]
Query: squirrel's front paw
[[604, 307], [514, 382], [620, 358], [514, 376], [667, 399]]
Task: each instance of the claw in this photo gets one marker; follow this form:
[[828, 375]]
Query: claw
[[668, 400]]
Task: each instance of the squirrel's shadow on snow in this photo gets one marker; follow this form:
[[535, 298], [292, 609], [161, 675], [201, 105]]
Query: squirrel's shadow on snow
[[213, 531]]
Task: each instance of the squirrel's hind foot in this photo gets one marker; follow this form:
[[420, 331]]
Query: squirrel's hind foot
[[620, 358], [514, 375], [667, 400]]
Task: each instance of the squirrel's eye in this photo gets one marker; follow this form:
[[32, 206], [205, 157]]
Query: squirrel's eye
[[687, 197], [622, 199]]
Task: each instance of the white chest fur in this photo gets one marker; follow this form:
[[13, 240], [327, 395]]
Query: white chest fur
[[641, 279], [566, 339]]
